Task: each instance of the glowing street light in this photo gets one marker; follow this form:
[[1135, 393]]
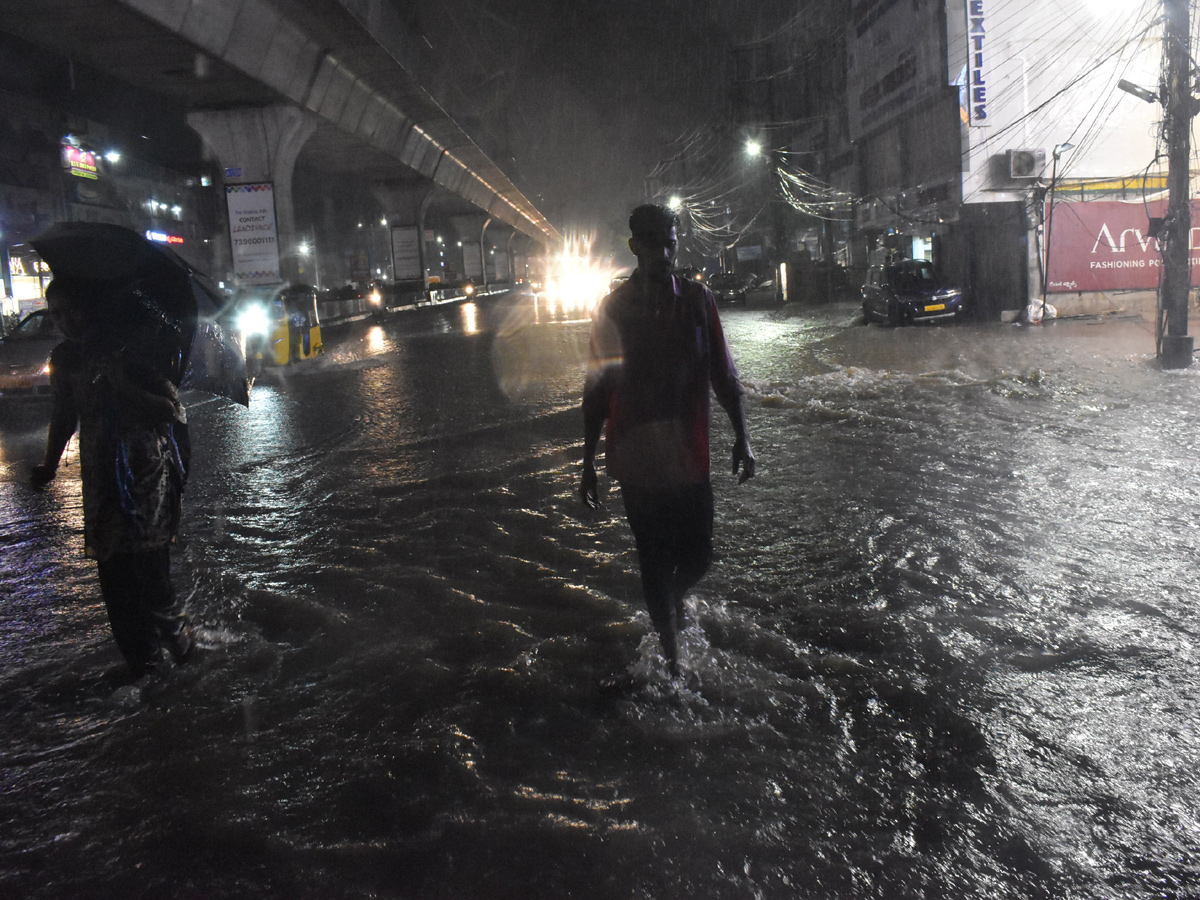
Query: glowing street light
[[753, 148], [676, 202]]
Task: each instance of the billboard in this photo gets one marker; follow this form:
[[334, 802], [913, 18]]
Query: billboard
[[252, 233], [1105, 245], [473, 260], [406, 253]]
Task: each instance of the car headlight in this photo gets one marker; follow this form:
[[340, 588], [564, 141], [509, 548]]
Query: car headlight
[[375, 297], [253, 320], [469, 290]]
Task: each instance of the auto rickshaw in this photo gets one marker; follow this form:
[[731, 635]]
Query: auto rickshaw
[[279, 327]]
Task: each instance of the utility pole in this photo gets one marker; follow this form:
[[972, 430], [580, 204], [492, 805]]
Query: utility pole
[[1175, 348]]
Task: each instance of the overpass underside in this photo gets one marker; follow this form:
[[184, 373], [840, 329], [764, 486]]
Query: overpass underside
[[271, 81]]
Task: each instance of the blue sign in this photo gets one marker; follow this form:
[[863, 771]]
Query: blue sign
[[234, 173]]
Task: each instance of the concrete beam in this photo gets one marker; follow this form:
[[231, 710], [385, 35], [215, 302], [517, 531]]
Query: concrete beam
[[359, 86]]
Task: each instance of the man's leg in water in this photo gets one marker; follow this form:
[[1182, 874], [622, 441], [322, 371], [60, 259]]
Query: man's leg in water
[[673, 531], [693, 544], [658, 588]]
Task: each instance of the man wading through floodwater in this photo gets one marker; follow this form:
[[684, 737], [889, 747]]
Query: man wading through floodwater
[[656, 347]]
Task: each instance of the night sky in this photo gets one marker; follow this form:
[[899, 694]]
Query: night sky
[[580, 100]]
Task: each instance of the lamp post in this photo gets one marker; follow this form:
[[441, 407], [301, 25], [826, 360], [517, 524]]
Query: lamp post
[[779, 237], [309, 248], [1059, 150]]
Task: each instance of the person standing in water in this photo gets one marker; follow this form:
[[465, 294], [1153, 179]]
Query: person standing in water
[[655, 349], [133, 464]]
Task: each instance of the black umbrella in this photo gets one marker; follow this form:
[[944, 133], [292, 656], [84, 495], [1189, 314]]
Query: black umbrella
[[159, 302]]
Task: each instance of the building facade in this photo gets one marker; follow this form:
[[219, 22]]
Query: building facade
[[966, 115], [940, 128]]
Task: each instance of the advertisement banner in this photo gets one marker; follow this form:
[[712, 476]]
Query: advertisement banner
[[252, 233], [473, 261], [406, 253], [500, 265], [1105, 245]]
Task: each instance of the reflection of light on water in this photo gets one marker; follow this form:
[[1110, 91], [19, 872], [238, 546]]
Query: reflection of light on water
[[469, 317], [375, 340], [268, 423]]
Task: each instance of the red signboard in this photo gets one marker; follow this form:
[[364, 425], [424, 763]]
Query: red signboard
[[1104, 245], [79, 162]]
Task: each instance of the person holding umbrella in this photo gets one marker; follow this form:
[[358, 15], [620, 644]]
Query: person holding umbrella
[[133, 457]]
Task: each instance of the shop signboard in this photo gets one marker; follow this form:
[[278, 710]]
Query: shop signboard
[[79, 162], [979, 51], [253, 236], [1105, 245]]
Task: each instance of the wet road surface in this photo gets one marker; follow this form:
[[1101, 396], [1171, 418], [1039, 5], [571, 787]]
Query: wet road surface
[[948, 649]]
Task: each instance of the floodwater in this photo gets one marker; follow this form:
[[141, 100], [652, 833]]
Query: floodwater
[[949, 648]]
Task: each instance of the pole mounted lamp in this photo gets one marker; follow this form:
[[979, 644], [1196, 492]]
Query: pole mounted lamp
[[1140, 92], [1059, 150]]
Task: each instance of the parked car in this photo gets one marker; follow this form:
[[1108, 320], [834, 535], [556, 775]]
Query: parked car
[[25, 357], [908, 291], [728, 287]]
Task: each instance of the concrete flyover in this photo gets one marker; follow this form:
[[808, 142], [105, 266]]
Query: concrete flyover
[[263, 81]]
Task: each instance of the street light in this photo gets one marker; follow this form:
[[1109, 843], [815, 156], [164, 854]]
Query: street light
[[308, 247], [1138, 91], [1059, 150]]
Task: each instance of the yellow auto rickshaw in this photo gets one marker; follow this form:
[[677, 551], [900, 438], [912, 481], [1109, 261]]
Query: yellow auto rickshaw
[[279, 327]]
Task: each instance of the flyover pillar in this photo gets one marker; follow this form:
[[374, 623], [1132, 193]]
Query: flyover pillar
[[404, 206], [471, 229], [256, 146]]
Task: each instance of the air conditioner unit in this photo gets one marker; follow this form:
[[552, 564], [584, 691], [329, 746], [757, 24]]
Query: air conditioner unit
[[1026, 163]]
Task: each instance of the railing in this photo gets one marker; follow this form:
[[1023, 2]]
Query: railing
[[352, 309]]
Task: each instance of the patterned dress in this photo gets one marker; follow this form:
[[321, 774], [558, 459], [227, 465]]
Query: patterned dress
[[130, 461]]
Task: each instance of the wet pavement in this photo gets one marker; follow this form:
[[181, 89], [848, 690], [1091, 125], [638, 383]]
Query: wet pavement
[[948, 648]]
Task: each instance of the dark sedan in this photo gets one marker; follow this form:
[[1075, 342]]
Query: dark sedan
[[908, 291], [728, 287], [25, 357]]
